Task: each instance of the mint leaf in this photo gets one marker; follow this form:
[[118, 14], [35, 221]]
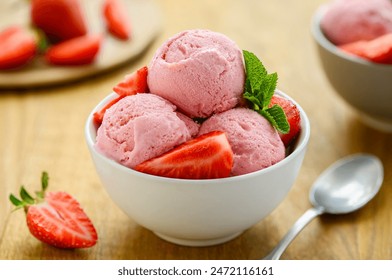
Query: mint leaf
[[269, 86], [255, 71], [254, 100], [277, 117], [259, 89]]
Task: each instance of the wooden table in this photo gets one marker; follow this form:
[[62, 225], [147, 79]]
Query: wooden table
[[42, 129]]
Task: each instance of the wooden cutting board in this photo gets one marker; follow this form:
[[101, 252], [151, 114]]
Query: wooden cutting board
[[145, 18]]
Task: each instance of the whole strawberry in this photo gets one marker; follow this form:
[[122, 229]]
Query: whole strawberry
[[59, 19], [56, 218]]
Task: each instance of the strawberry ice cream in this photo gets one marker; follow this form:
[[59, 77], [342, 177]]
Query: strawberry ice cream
[[198, 76], [140, 127], [199, 71], [255, 143], [347, 21]]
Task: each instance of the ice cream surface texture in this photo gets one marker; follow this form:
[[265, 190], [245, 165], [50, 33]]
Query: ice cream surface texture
[[140, 127], [255, 143], [347, 21], [200, 71]]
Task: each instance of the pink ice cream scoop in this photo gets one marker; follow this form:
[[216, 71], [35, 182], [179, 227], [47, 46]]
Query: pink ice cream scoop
[[140, 127], [347, 21], [255, 143], [199, 71]]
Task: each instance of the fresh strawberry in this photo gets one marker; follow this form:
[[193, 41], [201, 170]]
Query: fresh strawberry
[[133, 83], [378, 50], [17, 47], [59, 19], [56, 218], [76, 51], [98, 116], [293, 118], [208, 156], [117, 21]]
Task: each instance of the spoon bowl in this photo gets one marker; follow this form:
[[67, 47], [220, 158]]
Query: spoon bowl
[[348, 184], [344, 187]]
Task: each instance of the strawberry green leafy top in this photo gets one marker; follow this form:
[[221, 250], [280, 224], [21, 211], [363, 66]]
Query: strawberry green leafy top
[[26, 198], [259, 89]]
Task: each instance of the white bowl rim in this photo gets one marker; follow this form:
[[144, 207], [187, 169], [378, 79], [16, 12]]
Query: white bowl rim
[[305, 130], [320, 37]]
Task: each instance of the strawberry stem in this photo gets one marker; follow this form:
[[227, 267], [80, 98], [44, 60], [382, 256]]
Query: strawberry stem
[[26, 199], [15, 201], [44, 184]]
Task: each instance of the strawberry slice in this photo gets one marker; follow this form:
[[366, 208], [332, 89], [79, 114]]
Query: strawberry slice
[[133, 83], [378, 50], [17, 46], [56, 218], [116, 19], [293, 118], [208, 156], [77, 51], [98, 116], [59, 19]]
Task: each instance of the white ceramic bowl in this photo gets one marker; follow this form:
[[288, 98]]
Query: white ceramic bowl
[[364, 85], [197, 212]]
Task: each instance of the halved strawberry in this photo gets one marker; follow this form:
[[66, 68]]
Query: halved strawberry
[[208, 156], [133, 83], [56, 218], [378, 50], [116, 19], [98, 116], [76, 51], [59, 19], [293, 118], [17, 47]]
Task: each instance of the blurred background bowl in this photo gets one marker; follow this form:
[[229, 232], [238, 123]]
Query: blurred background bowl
[[198, 212], [364, 85]]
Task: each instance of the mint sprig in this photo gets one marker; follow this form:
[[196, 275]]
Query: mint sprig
[[259, 89]]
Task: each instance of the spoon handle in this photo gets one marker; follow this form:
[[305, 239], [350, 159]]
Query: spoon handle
[[293, 232]]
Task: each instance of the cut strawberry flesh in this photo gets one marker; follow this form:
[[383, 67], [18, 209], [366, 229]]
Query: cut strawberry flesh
[[98, 116], [208, 156], [61, 222], [133, 83], [77, 51], [17, 47], [378, 50], [116, 19]]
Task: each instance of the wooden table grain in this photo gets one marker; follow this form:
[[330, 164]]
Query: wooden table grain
[[42, 129]]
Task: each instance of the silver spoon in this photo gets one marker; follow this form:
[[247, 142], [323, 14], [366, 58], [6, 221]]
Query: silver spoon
[[344, 187]]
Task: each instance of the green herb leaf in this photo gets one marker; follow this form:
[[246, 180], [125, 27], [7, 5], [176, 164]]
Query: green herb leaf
[[254, 100], [278, 119], [255, 71], [269, 86], [259, 89]]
